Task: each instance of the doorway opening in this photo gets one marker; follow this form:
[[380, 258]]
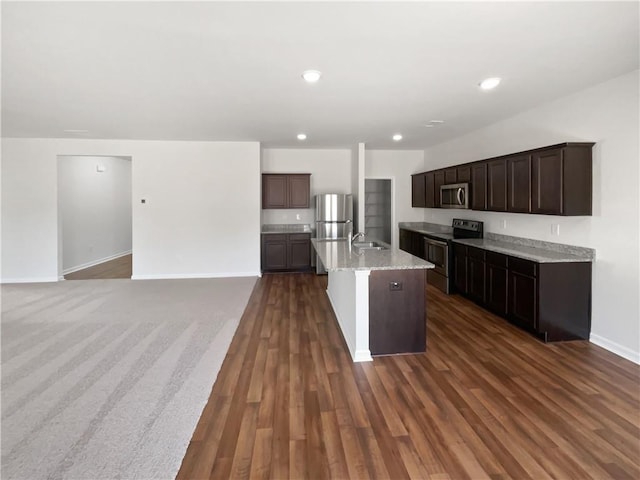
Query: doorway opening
[[94, 217], [378, 208]]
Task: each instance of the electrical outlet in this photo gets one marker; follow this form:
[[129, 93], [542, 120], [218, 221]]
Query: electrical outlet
[[555, 229], [297, 216], [504, 224]]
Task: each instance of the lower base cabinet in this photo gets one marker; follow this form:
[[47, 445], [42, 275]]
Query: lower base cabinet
[[397, 313], [286, 252], [550, 300]]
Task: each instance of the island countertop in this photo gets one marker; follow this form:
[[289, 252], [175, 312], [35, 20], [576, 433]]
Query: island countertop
[[339, 255]]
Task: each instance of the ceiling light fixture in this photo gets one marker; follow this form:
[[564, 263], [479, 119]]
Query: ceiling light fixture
[[302, 136], [311, 76], [428, 125], [75, 130], [490, 83], [397, 137], [438, 122]]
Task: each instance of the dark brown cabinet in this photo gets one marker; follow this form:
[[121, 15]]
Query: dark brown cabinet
[[438, 181], [412, 242], [476, 274], [554, 180], [281, 190], [479, 186], [418, 196], [497, 185], [464, 174], [519, 183], [450, 176], [460, 268], [397, 316], [286, 252], [430, 190], [550, 300], [561, 180], [496, 283]]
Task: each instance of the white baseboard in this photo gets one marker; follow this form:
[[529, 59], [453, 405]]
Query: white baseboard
[[30, 280], [616, 348], [93, 263], [177, 276]]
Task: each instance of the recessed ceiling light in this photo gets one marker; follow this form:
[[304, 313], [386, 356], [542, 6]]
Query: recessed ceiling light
[[436, 121], [397, 137], [489, 83], [428, 125], [311, 76], [75, 130], [302, 136]]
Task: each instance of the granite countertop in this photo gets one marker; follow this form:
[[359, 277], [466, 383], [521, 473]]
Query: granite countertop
[[286, 228], [535, 254], [340, 255], [431, 229]]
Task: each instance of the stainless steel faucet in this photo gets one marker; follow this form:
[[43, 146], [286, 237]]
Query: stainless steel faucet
[[356, 236]]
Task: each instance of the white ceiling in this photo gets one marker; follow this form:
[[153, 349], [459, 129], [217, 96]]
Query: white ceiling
[[231, 71]]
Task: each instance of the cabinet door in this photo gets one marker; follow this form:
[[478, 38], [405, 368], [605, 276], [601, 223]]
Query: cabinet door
[[546, 179], [397, 316], [464, 174], [479, 186], [418, 197], [405, 240], [450, 176], [299, 190], [497, 185], [430, 190], [274, 191], [475, 277], [522, 300], [274, 252], [299, 251], [496, 288], [460, 268], [519, 183], [417, 245], [438, 181]]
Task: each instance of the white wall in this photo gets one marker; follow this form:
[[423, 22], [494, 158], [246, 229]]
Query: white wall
[[202, 216], [608, 115], [330, 171], [397, 165], [94, 209]]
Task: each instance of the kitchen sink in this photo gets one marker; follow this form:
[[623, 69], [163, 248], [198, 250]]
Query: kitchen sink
[[370, 246]]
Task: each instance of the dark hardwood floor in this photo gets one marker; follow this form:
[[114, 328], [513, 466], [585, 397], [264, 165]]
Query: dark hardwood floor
[[486, 400], [120, 267]]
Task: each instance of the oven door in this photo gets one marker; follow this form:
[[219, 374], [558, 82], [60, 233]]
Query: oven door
[[437, 252]]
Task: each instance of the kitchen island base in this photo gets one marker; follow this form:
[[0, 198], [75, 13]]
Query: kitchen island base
[[380, 312]]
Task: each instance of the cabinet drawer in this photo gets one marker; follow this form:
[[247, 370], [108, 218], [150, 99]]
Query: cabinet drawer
[[524, 267], [459, 250], [296, 237], [274, 237], [497, 259], [474, 252]]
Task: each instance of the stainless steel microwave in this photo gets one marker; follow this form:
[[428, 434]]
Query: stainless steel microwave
[[455, 195]]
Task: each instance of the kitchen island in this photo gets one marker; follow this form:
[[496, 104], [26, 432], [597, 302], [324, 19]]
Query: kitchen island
[[378, 297]]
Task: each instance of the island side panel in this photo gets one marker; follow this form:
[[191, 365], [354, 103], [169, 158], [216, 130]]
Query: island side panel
[[348, 292], [397, 311]]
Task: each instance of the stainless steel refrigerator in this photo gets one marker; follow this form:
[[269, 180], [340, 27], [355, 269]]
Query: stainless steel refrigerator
[[334, 219]]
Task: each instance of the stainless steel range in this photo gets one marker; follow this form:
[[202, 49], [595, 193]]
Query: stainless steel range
[[439, 251]]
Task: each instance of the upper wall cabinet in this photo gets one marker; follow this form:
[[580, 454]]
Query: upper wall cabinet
[[284, 190], [418, 197], [554, 180]]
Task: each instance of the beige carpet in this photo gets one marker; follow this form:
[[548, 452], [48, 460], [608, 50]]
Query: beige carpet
[[106, 379]]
